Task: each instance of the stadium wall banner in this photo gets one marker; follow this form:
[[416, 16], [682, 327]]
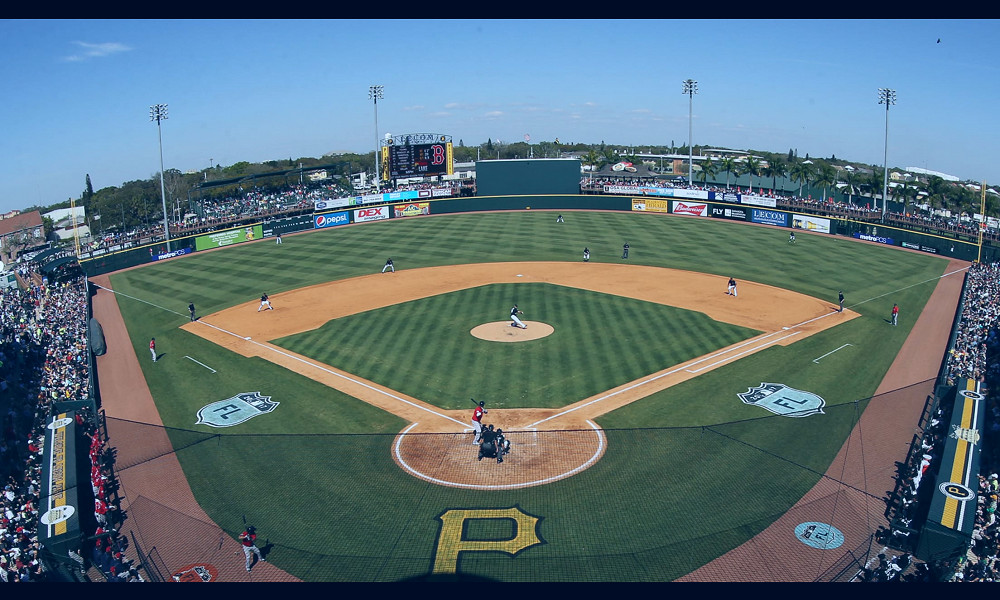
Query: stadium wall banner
[[726, 197], [375, 213], [412, 209], [875, 238], [635, 190], [913, 246], [166, 255], [650, 205], [811, 223], [336, 203], [330, 219], [228, 237], [407, 195], [441, 192], [769, 217], [726, 212], [696, 209], [758, 200]]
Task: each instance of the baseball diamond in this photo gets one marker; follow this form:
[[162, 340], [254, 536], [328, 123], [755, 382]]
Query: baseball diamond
[[639, 451]]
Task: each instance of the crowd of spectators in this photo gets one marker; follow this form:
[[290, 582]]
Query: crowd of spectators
[[44, 359], [975, 354]]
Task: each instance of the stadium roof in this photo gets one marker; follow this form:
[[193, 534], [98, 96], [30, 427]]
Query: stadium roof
[[19, 222]]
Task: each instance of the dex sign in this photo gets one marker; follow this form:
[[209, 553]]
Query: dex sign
[[377, 213]]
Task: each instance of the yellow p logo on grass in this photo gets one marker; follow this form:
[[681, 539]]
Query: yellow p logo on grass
[[450, 541]]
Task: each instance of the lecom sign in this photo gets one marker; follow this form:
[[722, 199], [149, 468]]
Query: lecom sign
[[376, 213], [690, 208]]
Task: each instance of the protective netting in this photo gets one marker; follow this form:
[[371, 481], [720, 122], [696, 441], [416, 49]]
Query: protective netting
[[657, 504]]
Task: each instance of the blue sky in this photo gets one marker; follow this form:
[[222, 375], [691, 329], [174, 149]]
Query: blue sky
[[77, 93]]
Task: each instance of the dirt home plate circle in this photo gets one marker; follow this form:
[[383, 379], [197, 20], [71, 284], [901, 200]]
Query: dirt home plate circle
[[547, 444]]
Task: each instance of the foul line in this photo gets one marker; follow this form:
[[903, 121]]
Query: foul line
[[202, 364], [597, 454], [816, 360]]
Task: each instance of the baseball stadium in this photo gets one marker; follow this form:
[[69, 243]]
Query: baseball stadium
[[662, 427]]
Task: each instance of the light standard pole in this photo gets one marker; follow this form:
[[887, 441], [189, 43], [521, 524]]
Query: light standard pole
[[158, 113], [690, 88], [887, 97], [375, 94]]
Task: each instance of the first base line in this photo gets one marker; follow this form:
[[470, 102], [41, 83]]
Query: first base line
[[202, 364], [816, 360]]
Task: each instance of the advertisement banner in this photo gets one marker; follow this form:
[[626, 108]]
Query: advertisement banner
[[810, 223], [758, 200], [412, 209], [334, 203], [377, 213], [725, 212], [633, 190], [228, 237], [726, 197], [875, 238], [690, 208], [769, 217], [407, 195], [651, 205], [370, 198], [166, 255], [330, 220], [913, 246], [441, 192]]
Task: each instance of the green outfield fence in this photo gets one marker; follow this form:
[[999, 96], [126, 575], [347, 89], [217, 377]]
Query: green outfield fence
[[577, 548]]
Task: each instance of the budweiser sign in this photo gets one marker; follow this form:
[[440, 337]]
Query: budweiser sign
[[690, 208]]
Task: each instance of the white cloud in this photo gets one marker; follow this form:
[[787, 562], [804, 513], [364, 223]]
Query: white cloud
[[414, 107], [494, 114], [88, 50]]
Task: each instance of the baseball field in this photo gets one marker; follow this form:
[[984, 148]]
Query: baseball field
[[661, 428]]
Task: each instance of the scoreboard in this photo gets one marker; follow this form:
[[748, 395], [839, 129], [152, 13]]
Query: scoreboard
[[401, 160]]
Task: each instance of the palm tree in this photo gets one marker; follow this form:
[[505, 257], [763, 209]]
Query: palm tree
[[751, 167], [728, 165], [937, 191], [592, 159], [775, 168], [800, 172], [826, 176], [708, 169], [874, 182], [851, 188]]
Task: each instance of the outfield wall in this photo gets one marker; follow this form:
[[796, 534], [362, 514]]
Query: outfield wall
[[747, 208]]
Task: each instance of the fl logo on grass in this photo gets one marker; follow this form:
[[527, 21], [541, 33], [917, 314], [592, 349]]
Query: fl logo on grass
[[783, 400], [233, 411]]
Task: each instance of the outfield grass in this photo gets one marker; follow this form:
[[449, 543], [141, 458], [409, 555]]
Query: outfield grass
[[671, 492]]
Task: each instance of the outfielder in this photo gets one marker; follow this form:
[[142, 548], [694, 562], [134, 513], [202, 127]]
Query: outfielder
[[249, 540], [152, 348], [477, 422], [265, 302], [515, 322]]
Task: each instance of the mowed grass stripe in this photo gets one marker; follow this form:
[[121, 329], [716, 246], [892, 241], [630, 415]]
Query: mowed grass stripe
[[423, 348]]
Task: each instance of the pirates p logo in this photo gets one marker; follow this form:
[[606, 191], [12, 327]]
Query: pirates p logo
[[233, 411], [783, 400]]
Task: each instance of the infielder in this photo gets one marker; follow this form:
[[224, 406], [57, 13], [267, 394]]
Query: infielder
[[265, 302], [515, 322], [625, 251], [477, 422], [388, 265], [732, 287], [249, 540], [586, 255]]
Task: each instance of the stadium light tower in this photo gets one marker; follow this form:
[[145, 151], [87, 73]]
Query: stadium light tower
[[375, 94], [887, 97], [690, 88], [158, 113]]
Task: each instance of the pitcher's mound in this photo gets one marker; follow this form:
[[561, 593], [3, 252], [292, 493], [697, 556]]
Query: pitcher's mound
[[501, 331]]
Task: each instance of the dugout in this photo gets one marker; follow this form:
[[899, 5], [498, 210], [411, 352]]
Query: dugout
[[947, 531], [532, 176]]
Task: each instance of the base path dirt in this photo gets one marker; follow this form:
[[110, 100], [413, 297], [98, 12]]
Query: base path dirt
[[782, 315]]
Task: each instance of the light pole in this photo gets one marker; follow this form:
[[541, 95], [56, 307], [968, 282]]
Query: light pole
[[887, 97], [690, 88], [158, 113], [375, 94]]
